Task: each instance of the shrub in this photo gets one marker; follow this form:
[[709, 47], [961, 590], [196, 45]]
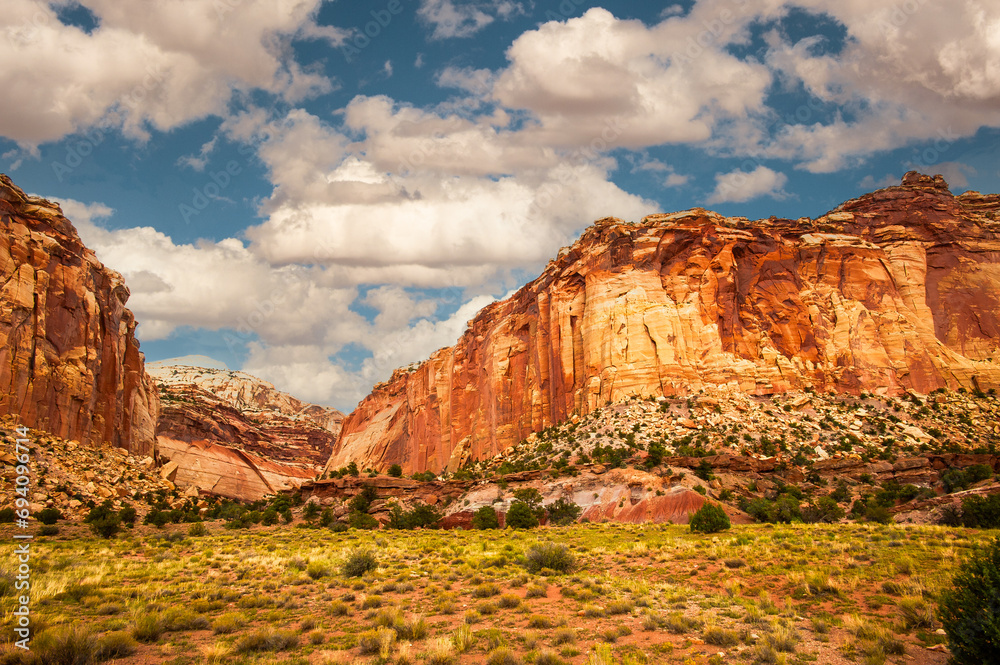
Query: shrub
[[825, 509], [65, 645], [7, 515], [485, 518], [379, 642], [359, 520], [421, 516], [396, 471], [720, 637], [363, 500], [563, 512], [127, 515], [359, 562], [710, 518], [266, 639], [521, 516], [48, 530], [879, 514], [503, 656], [967, 609], [553, 556], [197, 529], [147, 628], [49, 515], [116, 644], [981, 512], [228, 623], [103, 520]]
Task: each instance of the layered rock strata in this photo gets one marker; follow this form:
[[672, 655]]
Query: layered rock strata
[[896, 290], [69, 361], [235, 435]]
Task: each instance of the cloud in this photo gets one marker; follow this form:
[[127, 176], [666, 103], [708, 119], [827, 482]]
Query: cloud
[[738, 186], [955, 173], [909, 72], [598, 79], [478, 82], [463, 19], [148, 65]]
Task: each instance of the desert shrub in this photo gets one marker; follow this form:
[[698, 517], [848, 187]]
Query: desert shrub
[[266, 639], [49, 515], [317, 569], [364, 521], [548, 658], [421, 516], [197, 529], [463, 639], [539, 621], [363, 500], [536, 591], [359, 562], [563, 512], [503, 656], [825, 509], [509, 601], [485, 590], [521, 516], [65, 645], [485, 518], [878, 514], [228, 623], [104, 521], [916, 613], [981, 512], [720, 637], [967, 609], [554, 556], [7, 515], [48, 530], [378, 642], [147, 628], [396, 471], [710, 518], [116, 644], [177, 618], [127, 515], [679, 624]]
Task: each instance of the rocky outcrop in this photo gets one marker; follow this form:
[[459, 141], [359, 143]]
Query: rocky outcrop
[[235, 435], [896, 290], [69, 360]]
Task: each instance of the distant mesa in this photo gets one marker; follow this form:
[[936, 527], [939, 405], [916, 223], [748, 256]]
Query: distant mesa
[[188, 361], [896, 290]]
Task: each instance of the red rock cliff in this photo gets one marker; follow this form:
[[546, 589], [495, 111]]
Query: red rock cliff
[[69, 361], [897, 289]]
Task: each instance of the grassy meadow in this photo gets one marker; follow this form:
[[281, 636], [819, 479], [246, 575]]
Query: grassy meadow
[[588, 593]]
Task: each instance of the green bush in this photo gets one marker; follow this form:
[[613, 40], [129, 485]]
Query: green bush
[[521, 516], [562, 512], [554, 556], [981, 512], [421, 516], [359, 562], [7, 515], [49, 515], [48, 530], [197, 529], [363, 500], [396, 471], [710, 518], [485, 518], [968, 608], [127, 515], [359, 520], [826, 509]]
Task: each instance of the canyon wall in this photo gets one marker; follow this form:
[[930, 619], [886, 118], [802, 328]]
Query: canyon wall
[[69, 360], [898, 289]]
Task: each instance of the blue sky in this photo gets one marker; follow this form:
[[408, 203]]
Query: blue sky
[[319, 192]]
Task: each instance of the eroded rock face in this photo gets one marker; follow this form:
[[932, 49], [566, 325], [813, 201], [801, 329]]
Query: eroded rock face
[[896, 290], [69, 360], [235, 435]]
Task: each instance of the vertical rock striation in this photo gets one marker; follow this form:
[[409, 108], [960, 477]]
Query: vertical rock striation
[[898, 289], [69, 361]]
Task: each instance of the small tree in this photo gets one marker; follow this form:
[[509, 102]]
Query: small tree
[[968, 609], [49, 515], [396, 471], [311, 511], [562, 512], [710, 518], [485, 518], [521, 516]]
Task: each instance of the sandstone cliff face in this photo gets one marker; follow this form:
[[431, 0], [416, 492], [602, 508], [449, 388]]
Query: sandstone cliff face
[[895, 290], [69, 361], [235, 435]]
